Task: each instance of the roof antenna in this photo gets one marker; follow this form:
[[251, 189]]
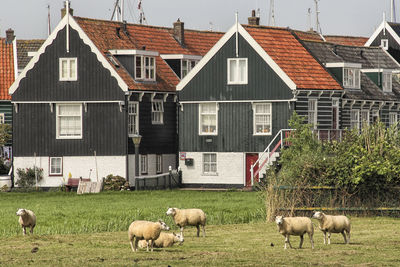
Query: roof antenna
[[318, 26], [142, 18], [48, 20], [271, 19], [116, 15], [309, 20], [392, 11], [237, 31]]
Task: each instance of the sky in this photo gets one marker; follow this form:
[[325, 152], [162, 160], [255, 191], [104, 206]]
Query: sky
[[28, 18]]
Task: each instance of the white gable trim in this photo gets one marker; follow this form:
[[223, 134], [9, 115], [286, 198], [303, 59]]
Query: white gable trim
[[15, 56], [73, 24], [384, 25], [221, 43]]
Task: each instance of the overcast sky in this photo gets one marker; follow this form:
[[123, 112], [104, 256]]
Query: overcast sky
[[337, 17]]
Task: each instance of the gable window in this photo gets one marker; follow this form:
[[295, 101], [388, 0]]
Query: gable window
[[262, 119], [187, 65], [157, 112], [351, 78], [159, 163], [313, 112], [68, 69], [145, 68], [364, 118], [210, 163], [133, 118], [69, 121], [2, 118], [208, 119], [392, 118], [55, 166], [385, 44], [237, 70], [387, 81], [143, 164], [355, 119]]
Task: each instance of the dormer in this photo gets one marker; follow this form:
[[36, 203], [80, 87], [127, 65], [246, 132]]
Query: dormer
[[347, 73], [381, 77], [141, 64], [181, 64]]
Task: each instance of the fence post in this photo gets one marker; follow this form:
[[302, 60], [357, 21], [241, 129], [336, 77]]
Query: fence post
[[136, 184], [169, 178], [144, 183], [281, 139]]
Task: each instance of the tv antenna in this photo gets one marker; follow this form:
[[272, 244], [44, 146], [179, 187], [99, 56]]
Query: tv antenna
[[318, 26]]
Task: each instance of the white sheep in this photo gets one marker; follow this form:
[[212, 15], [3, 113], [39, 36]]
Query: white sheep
[[192, 217], [164, 240], [145, 230], [295, 226], [26, 219], [333, 224]]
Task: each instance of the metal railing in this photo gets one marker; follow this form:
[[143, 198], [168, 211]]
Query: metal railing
[[172, 179]]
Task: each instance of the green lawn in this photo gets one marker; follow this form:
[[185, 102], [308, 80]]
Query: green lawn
[[91, 230]]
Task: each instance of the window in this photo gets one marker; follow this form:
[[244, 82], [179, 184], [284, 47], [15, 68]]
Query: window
[[157, 112], [312, 112], [262, 119], [208, 119], [68, 69], [364, 118], [69, 121], [55, 166], [187, 65], [354, 119], [392, 118], [133, 118], [375, 115], [385, 44], [237, 70], [145, 68], [143, 164], [210, 163], [387, 81], [351, 78], [159, 163], [2, 118]]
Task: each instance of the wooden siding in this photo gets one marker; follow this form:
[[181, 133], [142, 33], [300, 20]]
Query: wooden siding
[[235, 128], [6, 109], [394, 47], [337, 73], [211, 82], [128, 62], [376, 77], [175, 65]]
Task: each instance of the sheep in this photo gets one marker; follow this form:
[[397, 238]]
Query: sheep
[[145, 230], [26, 219], [192, 217], [333, 224], [164, 240], [295, 226]]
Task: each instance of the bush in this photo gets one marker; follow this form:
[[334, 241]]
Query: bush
[[115, 183], [26, 177]]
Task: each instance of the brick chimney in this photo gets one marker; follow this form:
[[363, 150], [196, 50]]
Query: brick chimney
[[64, 10], [253, 20], [179, 32], [10, 36]]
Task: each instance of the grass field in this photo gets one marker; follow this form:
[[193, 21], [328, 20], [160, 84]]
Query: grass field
[[91, 230]]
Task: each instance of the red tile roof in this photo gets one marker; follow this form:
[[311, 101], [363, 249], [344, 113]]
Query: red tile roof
[[290, 55], [103, 35], [346, 40], [308, 36], [7, 75]]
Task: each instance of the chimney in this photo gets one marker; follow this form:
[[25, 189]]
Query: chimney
[[64, 10], [253, 20], [10, 36], [179, 32]]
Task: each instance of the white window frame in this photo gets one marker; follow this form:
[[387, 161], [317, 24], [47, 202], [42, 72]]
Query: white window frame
[[353, 80], [355, 122], [2, 118], [133, 118], [157, 112], [143, 164], [385, 44], [144, 66], [237, 81], [69, 77], [364, 113], [387, 81], [393, 118], [201, 114], [190, 63], [58, 116], [158, 163], [210, 163], [51, 173], [335, 103], [255, 115], [312, 114]]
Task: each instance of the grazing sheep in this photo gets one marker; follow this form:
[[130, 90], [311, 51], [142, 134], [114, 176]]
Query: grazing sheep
[[192, 217], [164, 240], [145, 230], [333, 224], [295, 226], [27, 219]]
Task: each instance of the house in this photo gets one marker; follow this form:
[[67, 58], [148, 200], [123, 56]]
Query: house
[[26, 49], [238, 98], [91, 87]]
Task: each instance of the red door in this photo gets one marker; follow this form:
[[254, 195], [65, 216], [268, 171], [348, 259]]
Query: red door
[[251, 158]]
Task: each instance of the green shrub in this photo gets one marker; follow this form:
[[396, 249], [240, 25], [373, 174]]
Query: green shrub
[[26, 177]]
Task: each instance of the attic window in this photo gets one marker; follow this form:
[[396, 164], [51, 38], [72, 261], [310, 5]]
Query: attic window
[[186, 66], [385, 44], [237, 70], [387, 81], [68, 69], [351, 78], [145, 68]]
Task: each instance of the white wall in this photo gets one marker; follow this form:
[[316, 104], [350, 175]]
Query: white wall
[[77, 166], [167, 160], [230, 169]]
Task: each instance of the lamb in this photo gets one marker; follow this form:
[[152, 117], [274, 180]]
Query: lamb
[[333, 224], [164, 240], [192, 217], [145, 230], [27, 219], [295, 226]]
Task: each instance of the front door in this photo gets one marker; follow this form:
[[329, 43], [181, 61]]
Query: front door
[[251, 158]]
